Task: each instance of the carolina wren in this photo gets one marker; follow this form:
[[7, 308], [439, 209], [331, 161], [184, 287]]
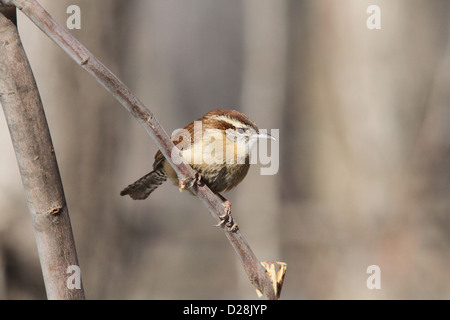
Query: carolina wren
[[217, 146]]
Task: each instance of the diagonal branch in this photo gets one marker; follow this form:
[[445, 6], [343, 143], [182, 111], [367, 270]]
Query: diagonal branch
[[36, 13]]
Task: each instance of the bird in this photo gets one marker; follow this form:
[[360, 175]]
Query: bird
[[217, 146]]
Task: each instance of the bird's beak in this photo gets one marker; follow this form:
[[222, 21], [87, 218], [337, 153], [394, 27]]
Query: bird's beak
[[262, 135]]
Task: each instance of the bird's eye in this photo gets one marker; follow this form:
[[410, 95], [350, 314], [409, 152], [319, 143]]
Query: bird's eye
[[240, 130]]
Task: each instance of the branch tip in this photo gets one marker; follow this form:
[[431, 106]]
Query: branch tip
[[277, 277]]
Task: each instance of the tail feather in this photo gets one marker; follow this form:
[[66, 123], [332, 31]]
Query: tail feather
[[142, 188]]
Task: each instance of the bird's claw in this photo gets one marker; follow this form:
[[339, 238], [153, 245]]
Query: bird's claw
[[189, 182], [226, 220]]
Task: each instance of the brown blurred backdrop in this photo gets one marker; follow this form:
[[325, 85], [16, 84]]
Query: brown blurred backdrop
[[364, 148]]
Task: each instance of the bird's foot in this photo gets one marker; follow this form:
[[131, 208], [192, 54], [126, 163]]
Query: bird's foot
[[189, 182], [226, 220]]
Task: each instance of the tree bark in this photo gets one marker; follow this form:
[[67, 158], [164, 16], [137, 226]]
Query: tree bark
[[38, 167]]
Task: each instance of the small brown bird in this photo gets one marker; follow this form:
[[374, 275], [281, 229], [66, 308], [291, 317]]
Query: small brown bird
[[217, 146]]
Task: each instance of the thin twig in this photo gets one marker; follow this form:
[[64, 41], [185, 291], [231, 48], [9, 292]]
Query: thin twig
[[33, 146], [36, 13]]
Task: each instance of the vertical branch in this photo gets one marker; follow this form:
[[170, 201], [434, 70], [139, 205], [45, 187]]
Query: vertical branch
[[33, 146]]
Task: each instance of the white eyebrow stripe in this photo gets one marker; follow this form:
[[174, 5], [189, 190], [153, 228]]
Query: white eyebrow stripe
[[235, 123]]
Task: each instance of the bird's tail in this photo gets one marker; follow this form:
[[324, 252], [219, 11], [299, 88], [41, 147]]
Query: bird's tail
[[142, 188]]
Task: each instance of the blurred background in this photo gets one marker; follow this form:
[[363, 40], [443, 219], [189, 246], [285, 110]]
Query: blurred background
[[364, 148]]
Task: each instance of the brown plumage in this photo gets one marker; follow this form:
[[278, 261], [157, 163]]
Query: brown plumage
[[221, 170]]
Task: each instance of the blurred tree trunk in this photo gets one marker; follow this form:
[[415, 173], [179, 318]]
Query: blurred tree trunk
[[367, 94], [263, 90]]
